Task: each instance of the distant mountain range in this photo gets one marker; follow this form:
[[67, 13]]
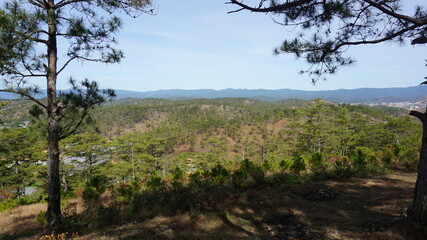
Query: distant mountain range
[[361, 95]]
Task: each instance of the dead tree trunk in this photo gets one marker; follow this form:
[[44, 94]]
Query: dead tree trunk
[[417, 211]]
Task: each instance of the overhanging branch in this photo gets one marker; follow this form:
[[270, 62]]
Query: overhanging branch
[[25, 95], [395, 14], [276, 8], [384, 39], [421, 116]]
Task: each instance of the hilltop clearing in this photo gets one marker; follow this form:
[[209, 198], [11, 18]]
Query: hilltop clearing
[[355, 208]]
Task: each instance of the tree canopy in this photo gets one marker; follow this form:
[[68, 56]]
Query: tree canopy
[[329, 27], [32, 38]]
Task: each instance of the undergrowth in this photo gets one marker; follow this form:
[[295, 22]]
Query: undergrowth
[[202, 190]]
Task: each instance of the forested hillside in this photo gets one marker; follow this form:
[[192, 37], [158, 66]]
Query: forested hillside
[[132, 138], [156, 146]]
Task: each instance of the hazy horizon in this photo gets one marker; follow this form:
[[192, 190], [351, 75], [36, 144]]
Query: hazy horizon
[[210, 49], [314, 90]]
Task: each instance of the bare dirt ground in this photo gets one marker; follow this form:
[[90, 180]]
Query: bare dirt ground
[[356, 208]]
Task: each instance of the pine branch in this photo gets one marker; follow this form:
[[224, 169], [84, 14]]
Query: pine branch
[[38, 3], [23, 94], [396, 15], [66, 64], [276, 8], [384, 39]]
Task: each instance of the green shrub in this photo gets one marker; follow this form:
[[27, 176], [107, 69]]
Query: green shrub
[[408, 158], [8, 204], [317, 162], [13, 203], [342, 167], [299, 164], [68, 194], [41, 219], [246, 164], [239, 177], [94, 188], [196, 179], [177, 178], [285, 165], [267, 166], [126, 192], [359, 159], [253, 171], [220, 174], [257, 174], [91, 194], [156, 183], [386, 157]]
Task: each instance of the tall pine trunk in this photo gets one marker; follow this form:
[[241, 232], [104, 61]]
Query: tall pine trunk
[[53, 214], [417, 211]]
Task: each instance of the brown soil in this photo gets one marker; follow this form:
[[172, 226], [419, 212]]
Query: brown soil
[[275, 127], [356, 208]]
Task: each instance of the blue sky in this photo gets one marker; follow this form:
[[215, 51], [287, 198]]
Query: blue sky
[[195, 44]]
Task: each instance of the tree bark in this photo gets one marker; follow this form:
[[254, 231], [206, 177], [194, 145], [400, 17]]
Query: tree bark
[[53, 214], [417, 211], [18, 181], [64, 182]]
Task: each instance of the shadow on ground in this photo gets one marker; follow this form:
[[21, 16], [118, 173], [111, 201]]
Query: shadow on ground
[[356, 208]]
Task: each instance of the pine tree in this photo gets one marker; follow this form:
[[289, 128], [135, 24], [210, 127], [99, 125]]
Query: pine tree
[[361, 22], [20, 158], [29, 36], [90, 150]]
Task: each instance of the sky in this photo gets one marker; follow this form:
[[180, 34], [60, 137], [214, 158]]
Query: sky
[[195, 44]]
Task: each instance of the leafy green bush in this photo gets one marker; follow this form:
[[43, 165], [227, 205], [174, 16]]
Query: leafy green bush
[[342, 167], [267, 166], [285, 165], [13, 203], [8, 204], [91, 195], [196, 179], [386, 157], [317, 162], [239, 177], [359, 159], [94, 188], [177, 178], [156, 183], [41, 219], [409, 159], [68, 194], [255, 172], [362, 157], [126, 192], [299, 164], [220, 174]]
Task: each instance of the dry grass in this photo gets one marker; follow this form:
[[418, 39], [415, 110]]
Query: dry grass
[[21, 222], [21, 219], [357, 208]]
